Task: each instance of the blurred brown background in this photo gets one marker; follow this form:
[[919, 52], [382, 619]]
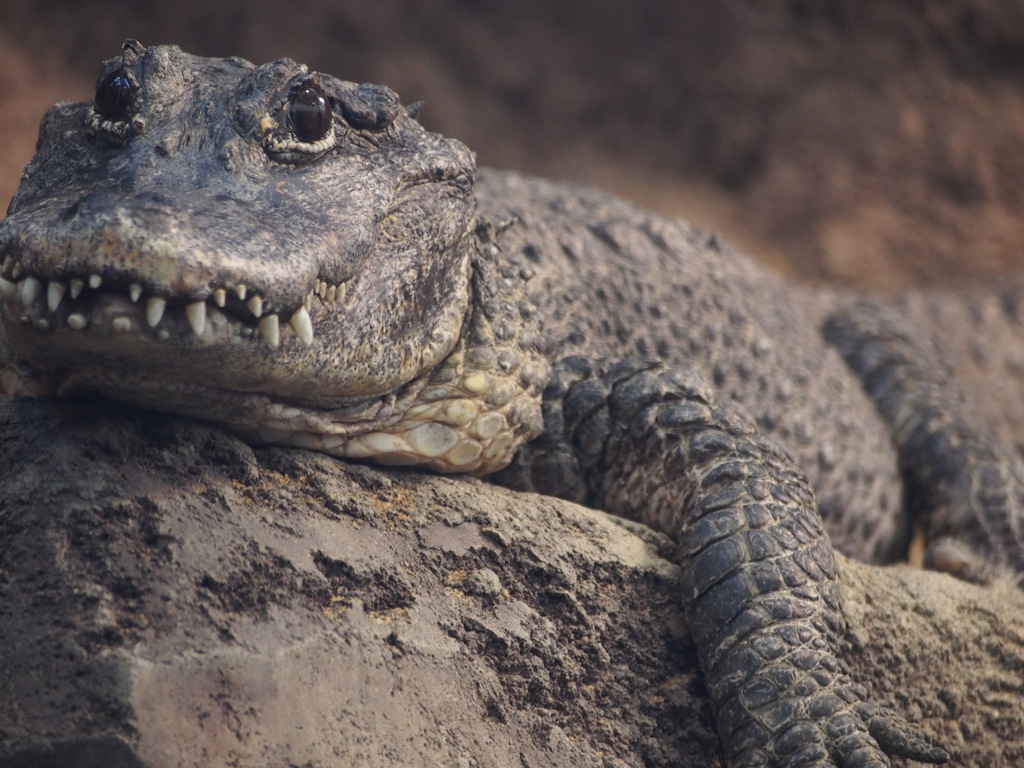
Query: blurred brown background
[[873, 142]]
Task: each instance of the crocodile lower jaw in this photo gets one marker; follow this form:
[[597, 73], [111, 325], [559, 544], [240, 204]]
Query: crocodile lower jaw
[[459, 427], [442, 428]]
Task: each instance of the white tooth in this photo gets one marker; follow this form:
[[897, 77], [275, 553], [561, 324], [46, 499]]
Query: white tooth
[[331, 292], [220, 297], [42, 324], [76, 287], [30, 290], [271, 330], [302, 326], [309, 301], [255, 305], [54, 294], [8, 290], [134, 291], [342, 290], [155, 310], [95, 281], [77, 321], [8, 264], [17, 270], [240, 290], [196, 314], [163, 334], [121, 324]]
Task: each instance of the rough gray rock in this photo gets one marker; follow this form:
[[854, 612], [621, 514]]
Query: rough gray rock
[[170, 596]]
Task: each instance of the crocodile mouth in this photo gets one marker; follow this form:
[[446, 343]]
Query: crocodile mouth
[[97, 334], [94, 306]]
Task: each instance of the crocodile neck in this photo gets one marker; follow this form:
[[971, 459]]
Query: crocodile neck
[[483, 401]]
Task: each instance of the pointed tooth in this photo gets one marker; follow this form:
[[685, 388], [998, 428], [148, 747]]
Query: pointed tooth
[[342, 290], [8, 264], [196, 314], [134, 291], [241, 291], [155, 311], [255, 305], [77, 321], [331, 292], [54, 294], [95, 281], [8, 290], [17, 270], [220, 297], [76, 286], [270, 329], [302, 326], [30, 290]]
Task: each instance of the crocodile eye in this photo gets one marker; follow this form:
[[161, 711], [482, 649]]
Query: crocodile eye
[[301, 129], [112, 96], [309, 113]]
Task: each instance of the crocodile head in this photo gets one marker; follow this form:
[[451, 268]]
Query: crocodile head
[[274, 249]]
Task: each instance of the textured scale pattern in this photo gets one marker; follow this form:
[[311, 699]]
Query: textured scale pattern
[[760, 579]]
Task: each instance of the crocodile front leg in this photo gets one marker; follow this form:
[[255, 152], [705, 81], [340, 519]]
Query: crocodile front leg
[[760, 582]]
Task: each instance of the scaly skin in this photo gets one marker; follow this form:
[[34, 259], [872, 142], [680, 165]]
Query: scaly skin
[[294, 257], [759, 574]]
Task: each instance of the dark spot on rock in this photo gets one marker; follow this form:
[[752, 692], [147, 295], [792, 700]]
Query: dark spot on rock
[[379, 590]]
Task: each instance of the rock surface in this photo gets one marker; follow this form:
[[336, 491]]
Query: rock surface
[[170, 596]]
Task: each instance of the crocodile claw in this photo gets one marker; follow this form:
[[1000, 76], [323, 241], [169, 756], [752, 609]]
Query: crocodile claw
[[898, 737], [957, 558]]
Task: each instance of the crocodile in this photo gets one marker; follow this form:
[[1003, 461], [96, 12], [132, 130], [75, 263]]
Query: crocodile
[[295, 258]]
